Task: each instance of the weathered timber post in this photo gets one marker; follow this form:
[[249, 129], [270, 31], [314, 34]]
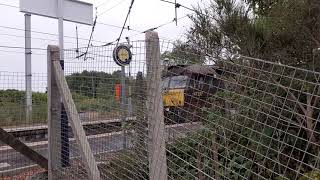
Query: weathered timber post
[[156, 127], [22, 148], [57, 86], [54, 114]]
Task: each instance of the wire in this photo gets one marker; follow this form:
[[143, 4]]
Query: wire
[[99, 15], [36, 38], [158, 27], [178, 5], [85, 53], [8, 5], [51, 34], [18, 52], [124, 24], [17, 47], [121, 1], [104, 3], [115, 26]]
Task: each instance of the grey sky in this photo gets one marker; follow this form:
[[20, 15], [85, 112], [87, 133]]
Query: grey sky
[[145, 14]]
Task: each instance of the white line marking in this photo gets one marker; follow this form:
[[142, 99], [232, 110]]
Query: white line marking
[[4, 165]]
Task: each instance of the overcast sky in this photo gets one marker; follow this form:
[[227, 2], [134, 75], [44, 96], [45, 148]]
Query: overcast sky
[[145, 14]]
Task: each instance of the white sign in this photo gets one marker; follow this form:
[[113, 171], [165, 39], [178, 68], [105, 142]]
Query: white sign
[[73, 10]]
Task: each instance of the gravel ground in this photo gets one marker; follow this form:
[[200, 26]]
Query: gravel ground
[[25, 175]]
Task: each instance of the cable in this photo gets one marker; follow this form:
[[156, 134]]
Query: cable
[[121, 1], [115, 26], [124, 24], [17, 47], [104, 3], [18, 52], [51, 34], [85, 53], [106, 12], [8, 5], [160, 26], [157, 27], [178, 5], [43, 39]]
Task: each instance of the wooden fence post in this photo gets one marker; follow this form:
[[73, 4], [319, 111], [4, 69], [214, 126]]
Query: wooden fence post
[[54, 107], [58, 89], [156, 127], [77, 128]]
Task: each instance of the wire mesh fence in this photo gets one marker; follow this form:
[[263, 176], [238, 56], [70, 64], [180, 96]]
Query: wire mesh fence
[[13, 119], [259, 118], [96, 85], [223, 118], [243, 118]]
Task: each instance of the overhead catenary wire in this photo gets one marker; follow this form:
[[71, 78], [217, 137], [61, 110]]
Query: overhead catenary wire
[[109, 9], [8, 5], [20, 52], [100, 23], [157, 27], [125, 22], [45, 33], [105, 11], [149, 29], [178, 5], [139, 31], [85, 53], [36, 38], [19, 47], [104, 3]]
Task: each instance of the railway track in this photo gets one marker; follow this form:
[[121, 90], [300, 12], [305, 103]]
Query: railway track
[[12, 162], [40, 132]]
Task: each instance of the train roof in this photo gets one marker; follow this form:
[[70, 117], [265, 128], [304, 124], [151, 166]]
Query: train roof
[[192, 69]]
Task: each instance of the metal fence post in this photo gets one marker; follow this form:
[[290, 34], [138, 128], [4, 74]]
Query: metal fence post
[[123, 105], [28, 67], [156, 127], [54, 113]]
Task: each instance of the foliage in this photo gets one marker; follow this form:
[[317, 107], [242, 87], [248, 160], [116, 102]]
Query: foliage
[[12, 108], [279, 31], [182, 54], [311, 175], [276, 105], [125, 165], [94, 84]]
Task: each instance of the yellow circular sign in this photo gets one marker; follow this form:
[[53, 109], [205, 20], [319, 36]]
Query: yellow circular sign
[[122, 55]]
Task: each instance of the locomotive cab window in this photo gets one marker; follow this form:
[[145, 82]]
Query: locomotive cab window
[[175, 82]]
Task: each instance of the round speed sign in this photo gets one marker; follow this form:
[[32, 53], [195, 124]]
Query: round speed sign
[[122, 55]]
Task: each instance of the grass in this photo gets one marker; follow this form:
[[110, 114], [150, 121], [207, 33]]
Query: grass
[[13, 111]]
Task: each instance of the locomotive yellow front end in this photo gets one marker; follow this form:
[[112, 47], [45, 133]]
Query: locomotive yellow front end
[[173, 89], [173, 98]]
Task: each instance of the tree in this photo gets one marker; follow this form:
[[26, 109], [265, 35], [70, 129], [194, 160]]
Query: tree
[[94, 84], [182, 54], [278, 33]]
